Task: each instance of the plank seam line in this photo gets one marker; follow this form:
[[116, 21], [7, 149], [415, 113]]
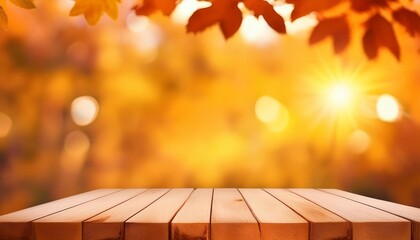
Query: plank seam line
[[351, 223], [179, 209], [318, 205], [83, 225], [112, 207], [124, 222], [145, 206], [76, 204], [368, 204], [253, 214], [411, 221], [211, 211], [309, 222]]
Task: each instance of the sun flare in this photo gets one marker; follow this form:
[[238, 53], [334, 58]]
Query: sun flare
[[340, 95]]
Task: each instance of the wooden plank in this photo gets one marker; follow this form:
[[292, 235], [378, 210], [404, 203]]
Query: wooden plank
[[277, 221], [193, 220], [323, 223], [231, 218], [407, 212], [67, 224], [17, 225], [153, 223], [110, 224], [367, 222]]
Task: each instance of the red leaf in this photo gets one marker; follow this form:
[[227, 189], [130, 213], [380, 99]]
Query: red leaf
[[341, 40], [224, 12], [304, 7], [408, 19], [230, 25], [337, 28], [380, 33], [261, 7], [366, 5], [275, 21], [147, 8], [150, 6], [369, 44], [202, 19]]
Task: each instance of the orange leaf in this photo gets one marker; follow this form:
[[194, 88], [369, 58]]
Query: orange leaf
[[261, 7], [366, 5], [150, 6], [380, 33], [408, 19], [224, 12], [337, 28], [304, 7], [3, 18], [93, 9], [28, 4]]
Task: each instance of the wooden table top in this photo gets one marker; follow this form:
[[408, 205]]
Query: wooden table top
[[218, 214]]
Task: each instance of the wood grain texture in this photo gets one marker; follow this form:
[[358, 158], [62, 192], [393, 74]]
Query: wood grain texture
[[407, 212], [110, 223], [231, 218], [323, 223], [218, 214], [67, 224], [17, 225], [367, 222], [193, 220], [153, 223], [277, 221]]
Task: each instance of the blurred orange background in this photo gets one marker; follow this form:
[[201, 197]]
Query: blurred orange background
[[137, 102]]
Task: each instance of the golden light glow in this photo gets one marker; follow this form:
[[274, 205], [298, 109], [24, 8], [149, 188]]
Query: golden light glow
[[267, 109], [76, 145], [359, 142], [340, 95], [137, 24], [387, 108], [256, 31], [270, 111], [282, 120], [84, 110], [5, 125], [147, 35], [335, 95]]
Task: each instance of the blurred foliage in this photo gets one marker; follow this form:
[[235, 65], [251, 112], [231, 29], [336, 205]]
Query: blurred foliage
[[178, 110], [376, 17]]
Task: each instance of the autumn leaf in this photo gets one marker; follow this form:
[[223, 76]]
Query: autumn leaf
[[3, 18], [28, 4], [337, 28], [366, 5], [93, 9], [231, 25], [150, 6], [379, 33], [224, 12], [304, 7], [410, 20], [263, 8]]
